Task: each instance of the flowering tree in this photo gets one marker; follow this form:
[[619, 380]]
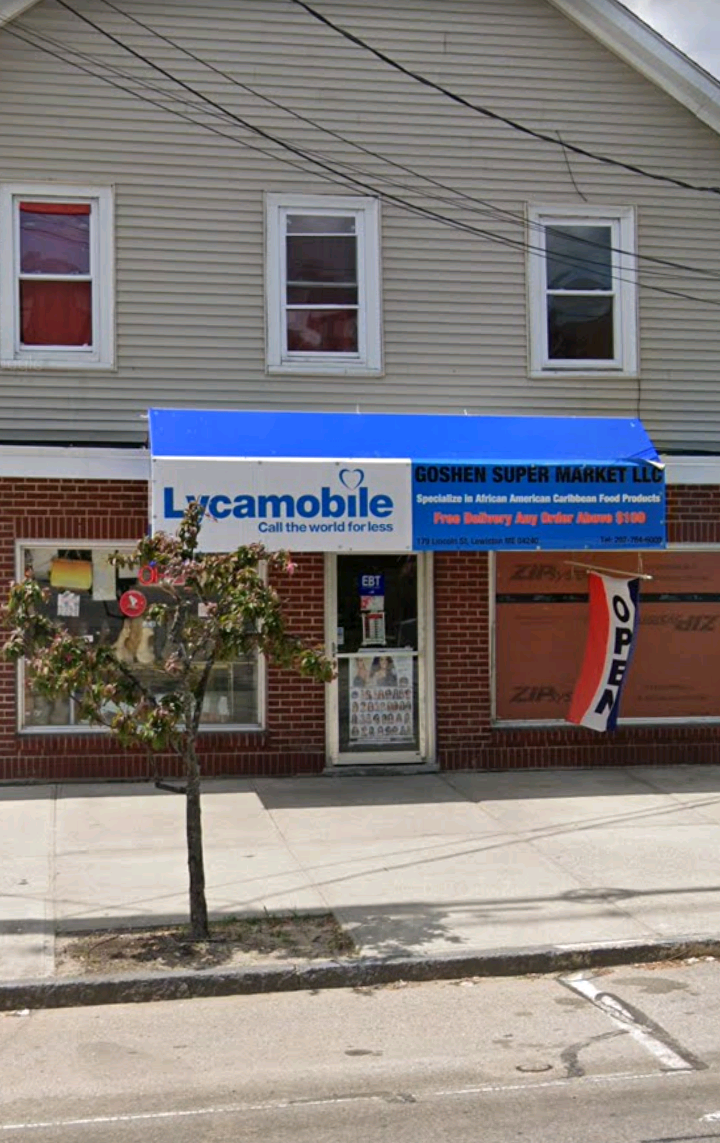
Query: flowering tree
[[213, 608]]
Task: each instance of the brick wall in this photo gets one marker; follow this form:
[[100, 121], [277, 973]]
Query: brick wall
[[294, 738], [462, 657], [93, 511], [693, 518], [693, 514]]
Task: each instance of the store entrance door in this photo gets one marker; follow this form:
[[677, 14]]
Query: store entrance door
[[378, 630]]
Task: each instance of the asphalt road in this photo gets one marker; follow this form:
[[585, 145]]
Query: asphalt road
[[628, 1055]]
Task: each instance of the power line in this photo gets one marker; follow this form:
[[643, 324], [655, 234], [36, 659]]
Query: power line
[[488, 207], [331, 174], [224, 117], [480, 110], [154, 102], [113, 70], [254, 129], [341, 179], [338, 177], [456, 196], [284, 143]]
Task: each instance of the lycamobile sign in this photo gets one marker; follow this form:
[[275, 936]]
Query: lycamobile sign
[[303, 505], [327, 505]]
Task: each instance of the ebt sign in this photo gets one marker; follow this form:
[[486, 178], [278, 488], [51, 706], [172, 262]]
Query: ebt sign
[[301, 505]]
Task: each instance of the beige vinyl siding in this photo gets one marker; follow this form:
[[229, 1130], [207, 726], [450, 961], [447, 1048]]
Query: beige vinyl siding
[[189, 207]]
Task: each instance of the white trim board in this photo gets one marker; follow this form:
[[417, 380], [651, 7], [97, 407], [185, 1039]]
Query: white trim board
[[11, 9], [52, 462], [645, 50], [692, 469]]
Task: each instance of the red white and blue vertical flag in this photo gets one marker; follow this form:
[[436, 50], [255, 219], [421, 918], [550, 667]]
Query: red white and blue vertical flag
[[610, 642]]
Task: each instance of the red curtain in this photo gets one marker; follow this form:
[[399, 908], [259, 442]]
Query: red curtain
[[55, 313], [55, 207], [322, 331]]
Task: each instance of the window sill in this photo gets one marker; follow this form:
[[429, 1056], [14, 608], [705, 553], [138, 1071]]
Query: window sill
[[575, 373], [623, 723], [320, 369], [232, 728], [221, 727], [37, 365]]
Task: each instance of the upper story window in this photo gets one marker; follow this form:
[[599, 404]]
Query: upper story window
[[56, 277], [582, 276], [323, 284]]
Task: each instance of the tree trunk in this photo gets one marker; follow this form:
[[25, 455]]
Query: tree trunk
[[199, 929]]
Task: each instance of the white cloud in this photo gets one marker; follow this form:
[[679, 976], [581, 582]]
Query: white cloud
[[692, 25]]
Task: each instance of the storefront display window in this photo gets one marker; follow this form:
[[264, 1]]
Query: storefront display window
[[541, 614], [84, 592]]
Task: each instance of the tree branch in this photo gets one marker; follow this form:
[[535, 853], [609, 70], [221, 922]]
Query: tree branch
[[200, 694]]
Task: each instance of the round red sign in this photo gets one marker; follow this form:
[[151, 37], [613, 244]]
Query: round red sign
[[132, 603]]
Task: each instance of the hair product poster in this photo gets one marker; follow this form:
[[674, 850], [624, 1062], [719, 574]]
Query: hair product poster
[[382, 700]]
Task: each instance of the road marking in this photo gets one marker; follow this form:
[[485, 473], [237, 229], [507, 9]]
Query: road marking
[[710, 1117], [612, 1077], [642, 1029], [178, 1113], [287, 1104]]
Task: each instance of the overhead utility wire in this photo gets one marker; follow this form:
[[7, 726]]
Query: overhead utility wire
[[404, 204], [38, 39], [577, 261], [284, 143], [254, 129], [156, 103], [332, 175], [41, 38], [480, 110], [339, 178], [453, 199], [488, 207], [228, 117]]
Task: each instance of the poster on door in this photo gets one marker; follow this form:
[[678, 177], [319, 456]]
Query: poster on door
[[382, 700], [373, 629], [372, 610]]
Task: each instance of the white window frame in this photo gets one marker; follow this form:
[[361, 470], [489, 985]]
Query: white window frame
[[621, 221], [368, 359], [21, 546], [101, 355]]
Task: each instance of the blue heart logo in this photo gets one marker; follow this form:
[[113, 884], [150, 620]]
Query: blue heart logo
[[352, 478]]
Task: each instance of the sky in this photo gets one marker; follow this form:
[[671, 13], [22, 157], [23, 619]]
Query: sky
[[692, 25]]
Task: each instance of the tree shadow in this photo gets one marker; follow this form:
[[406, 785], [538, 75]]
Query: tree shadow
[[401, 930]]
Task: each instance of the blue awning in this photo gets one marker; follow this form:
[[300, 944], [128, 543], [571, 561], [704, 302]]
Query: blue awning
[[399, 482], [387, 436]]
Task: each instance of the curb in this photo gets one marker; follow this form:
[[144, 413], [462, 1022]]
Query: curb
[[362, 973]]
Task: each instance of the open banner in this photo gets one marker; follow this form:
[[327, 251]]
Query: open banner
[[611, 637]]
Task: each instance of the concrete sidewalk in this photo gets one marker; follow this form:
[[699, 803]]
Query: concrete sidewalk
[[460, 863]]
